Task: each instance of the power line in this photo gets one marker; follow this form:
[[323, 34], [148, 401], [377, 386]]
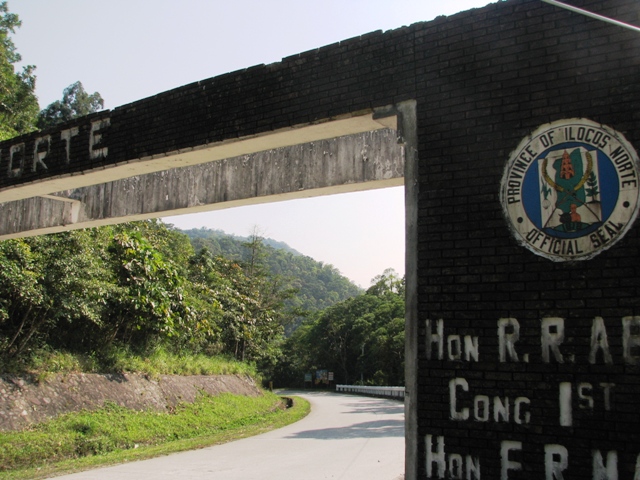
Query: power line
[[592, 15]]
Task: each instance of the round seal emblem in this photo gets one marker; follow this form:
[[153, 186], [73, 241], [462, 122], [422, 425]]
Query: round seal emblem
[[570, 189]]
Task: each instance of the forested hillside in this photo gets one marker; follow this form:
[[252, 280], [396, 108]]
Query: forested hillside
[[360, 340], [140, 288], [318, 285]]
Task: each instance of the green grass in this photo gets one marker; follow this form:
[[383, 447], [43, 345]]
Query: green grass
[[114, 434], [161, 362], [44, 363]]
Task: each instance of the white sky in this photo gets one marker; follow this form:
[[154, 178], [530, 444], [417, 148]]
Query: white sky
[[131, 49]]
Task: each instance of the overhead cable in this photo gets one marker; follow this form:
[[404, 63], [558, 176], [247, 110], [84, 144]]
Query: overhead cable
[[592, 15]]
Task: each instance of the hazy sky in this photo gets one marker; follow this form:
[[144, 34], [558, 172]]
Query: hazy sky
[[131, 49]]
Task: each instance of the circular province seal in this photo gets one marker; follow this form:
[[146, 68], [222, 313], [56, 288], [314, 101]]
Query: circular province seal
[[570, 189]]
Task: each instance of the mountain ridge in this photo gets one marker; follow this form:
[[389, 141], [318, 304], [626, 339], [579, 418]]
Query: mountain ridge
[[318, 284]]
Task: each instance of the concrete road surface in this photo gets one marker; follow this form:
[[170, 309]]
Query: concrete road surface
[[344, 437]]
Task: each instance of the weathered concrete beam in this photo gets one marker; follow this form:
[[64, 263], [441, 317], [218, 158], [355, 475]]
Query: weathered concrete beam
[[350, 163], [349, 125]]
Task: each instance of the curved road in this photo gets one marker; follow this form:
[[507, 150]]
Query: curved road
[[344, 437]]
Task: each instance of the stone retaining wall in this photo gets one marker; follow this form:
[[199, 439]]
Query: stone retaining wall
[[25, 401]]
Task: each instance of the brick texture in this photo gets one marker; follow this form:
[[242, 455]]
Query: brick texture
[[483, 80]]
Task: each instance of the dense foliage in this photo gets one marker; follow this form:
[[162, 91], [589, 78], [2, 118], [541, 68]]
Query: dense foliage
[[19, 109], [317, 284], [18, 102], [143, 287], [136, 285], [76, 102], [360, 340]]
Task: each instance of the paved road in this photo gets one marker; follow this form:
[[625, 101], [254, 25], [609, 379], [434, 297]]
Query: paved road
[[343, 438]]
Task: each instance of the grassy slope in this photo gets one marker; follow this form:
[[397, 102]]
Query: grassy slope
[[84, 440], [43, 363]]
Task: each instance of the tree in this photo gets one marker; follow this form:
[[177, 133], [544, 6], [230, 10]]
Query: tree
[[387, 282], [149, 306], [359, 339], [22, 300], [54, 290], [256, 323], [76, 280], [76, 102], [18, 102], [316, 285]]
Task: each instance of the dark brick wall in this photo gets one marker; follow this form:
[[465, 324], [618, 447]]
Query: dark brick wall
[[483, 80], [354, 75]]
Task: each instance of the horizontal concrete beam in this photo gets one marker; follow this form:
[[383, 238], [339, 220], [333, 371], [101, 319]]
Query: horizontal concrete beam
[[344, 164], [352, 124]]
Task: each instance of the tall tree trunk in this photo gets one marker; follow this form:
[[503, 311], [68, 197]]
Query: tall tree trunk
[[24, 320], [34, 327]]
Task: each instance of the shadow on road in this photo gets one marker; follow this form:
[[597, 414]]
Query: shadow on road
[[379, 407], [379, 428]]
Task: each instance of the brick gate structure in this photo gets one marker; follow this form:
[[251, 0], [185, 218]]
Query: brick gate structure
[[519, 123]]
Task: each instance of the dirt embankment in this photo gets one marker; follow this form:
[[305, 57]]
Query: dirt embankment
[[24, 401]]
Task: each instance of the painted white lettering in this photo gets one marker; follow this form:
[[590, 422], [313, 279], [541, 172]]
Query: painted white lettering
[[38, 156], [459, 466], [95, 139], [602, 472], [506, 340], [517, 414], [599, 341], [607, 394], [437, 338], [501, 409], [457, 346], [437, 457], [586, 399], [453, 411], [556, 461], [481, 408], [453, 465], [16, 155], [506, 465], [552, 337], [471, 348], [473, 467], [585, 396], [456, 466], [566, 409], [454, 347], [630, 340], [67, 135]]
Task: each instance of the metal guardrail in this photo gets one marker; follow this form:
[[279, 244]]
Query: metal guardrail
[[390, 392]]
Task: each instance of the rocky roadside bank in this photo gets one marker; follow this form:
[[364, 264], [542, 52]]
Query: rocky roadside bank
[[24, 400]]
